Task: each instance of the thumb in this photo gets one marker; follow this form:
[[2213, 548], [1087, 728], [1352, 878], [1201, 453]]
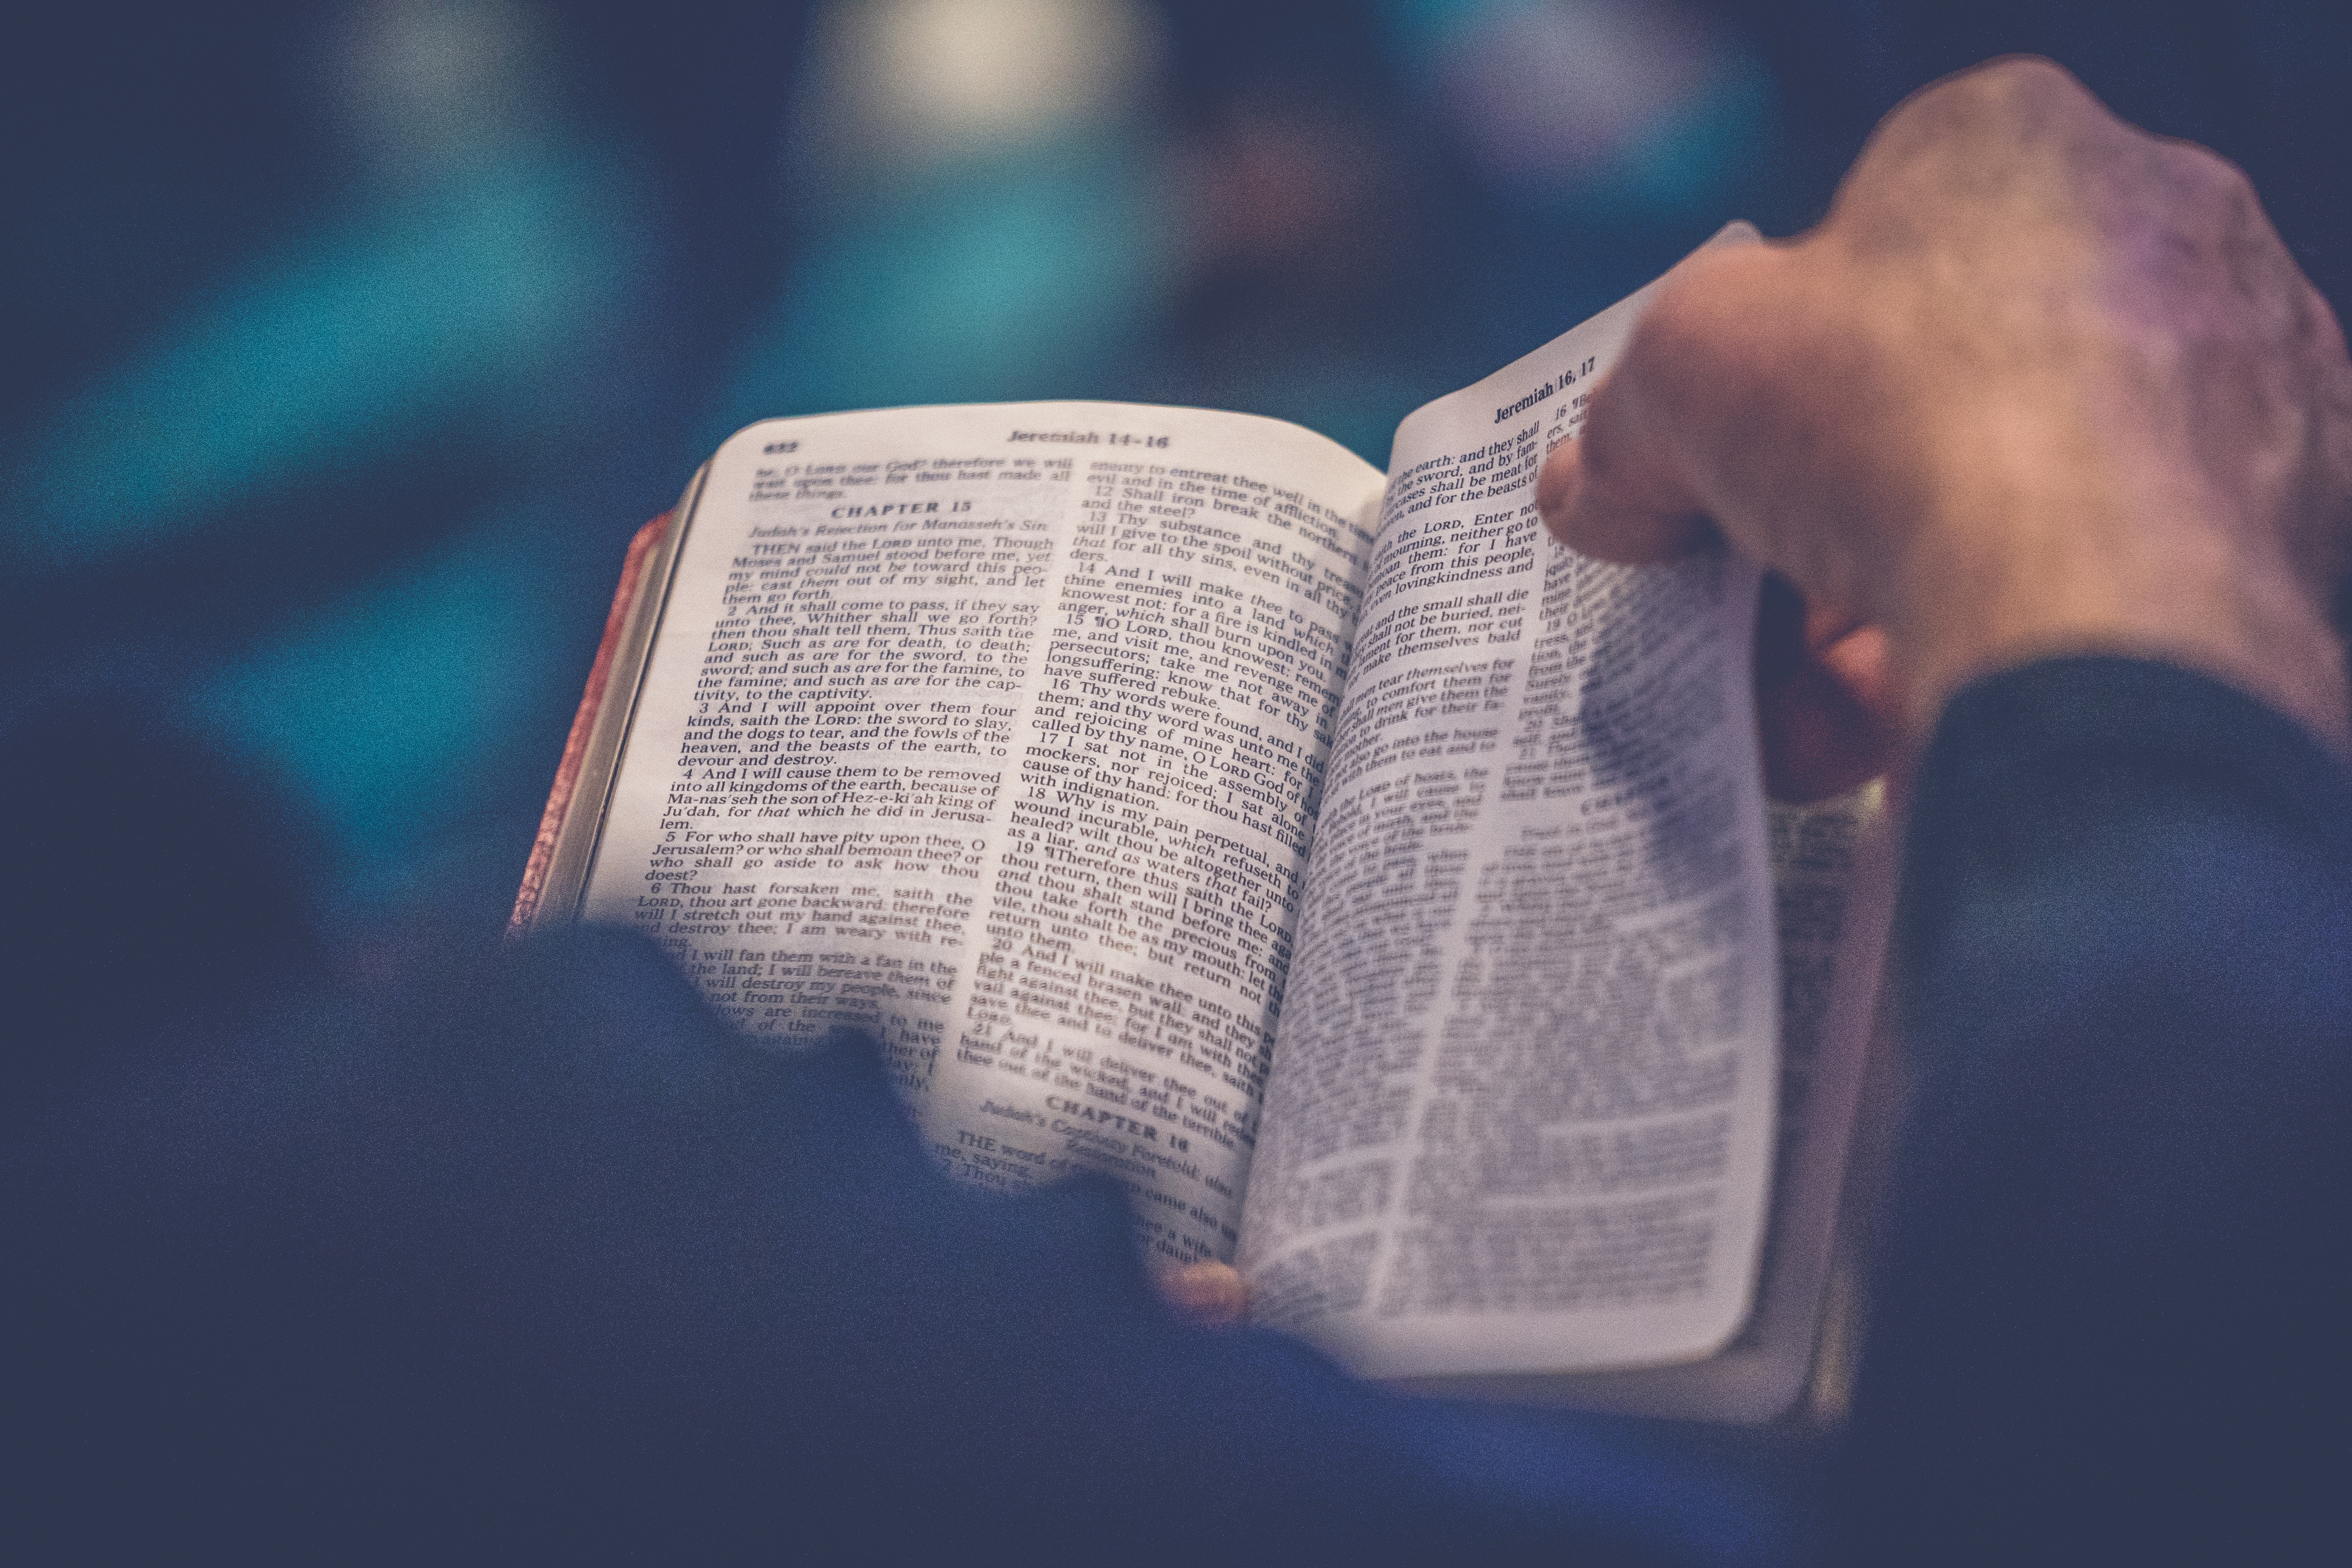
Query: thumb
[[1614, 492]]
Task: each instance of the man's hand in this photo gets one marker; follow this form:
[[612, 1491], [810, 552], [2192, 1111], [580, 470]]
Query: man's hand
[[2041, 383]]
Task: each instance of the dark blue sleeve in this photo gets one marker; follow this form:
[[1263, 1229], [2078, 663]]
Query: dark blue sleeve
[[2112, 1309]]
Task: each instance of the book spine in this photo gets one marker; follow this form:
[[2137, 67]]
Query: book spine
[[583, 723]]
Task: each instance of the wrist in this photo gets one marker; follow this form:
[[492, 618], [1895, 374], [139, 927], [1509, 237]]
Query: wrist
[[2176, 584]]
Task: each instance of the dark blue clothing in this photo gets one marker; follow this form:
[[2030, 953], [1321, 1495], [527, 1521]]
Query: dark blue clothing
[[2112, 1319], [454, 1253]]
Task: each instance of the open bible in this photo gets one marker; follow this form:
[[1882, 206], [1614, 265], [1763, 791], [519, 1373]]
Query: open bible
[[1381, 894]]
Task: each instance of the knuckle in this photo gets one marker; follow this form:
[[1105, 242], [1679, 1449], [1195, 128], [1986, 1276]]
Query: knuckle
[[2011, 99], [2212, 173], [2011, 85]]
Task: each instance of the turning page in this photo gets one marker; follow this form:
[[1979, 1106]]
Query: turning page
[[1522, 1111]]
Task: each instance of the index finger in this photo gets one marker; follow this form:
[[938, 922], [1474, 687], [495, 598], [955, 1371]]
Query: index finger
[[1590, 508], [1623, 488]]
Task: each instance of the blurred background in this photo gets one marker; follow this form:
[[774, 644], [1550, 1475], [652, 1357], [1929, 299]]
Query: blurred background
[[345, 344]]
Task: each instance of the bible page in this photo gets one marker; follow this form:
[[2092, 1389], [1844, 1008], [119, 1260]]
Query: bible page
[[1522, 1111], [1000, 731], [1834, 891]]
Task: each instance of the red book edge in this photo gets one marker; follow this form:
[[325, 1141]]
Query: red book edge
[[583, 723]]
